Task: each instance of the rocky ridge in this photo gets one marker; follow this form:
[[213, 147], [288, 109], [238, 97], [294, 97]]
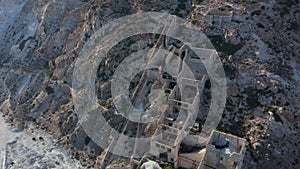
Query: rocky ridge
[[42, 39]]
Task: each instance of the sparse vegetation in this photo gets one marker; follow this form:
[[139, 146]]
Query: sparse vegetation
[[230, 71], [181, 6], [102, 4], [247, 126], [258, 75], [196, 2], [50, 73], [49, 90], [266, 109], [194, 21], [294, 25], [220, 45], [252, 101], [193, 132], [61, 107], [277, 117], [258, 12], [288, 3], [105, 103], [250, 116], [260, 25], [168, 166], [22, 44]]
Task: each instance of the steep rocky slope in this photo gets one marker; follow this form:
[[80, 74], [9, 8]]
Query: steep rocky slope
[[263, 102], [40, 41], [39, 46]]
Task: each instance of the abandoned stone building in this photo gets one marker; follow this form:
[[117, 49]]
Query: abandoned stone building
[[223, 151], [218, 17], [183, 79]]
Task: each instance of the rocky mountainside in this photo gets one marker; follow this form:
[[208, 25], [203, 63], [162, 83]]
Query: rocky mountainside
[[41, 40]]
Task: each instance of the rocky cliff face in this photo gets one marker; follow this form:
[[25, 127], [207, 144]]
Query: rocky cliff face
[[40, 41]]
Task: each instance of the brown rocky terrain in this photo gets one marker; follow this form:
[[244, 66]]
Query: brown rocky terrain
[[40, 43], [263, 103]]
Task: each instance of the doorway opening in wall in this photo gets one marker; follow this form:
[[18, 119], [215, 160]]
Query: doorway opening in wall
[[163, 156]]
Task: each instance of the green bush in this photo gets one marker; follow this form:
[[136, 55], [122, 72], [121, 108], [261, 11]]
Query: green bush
[[220, 45], [250, 116], [192, 132], [260, 25], [102, 4], [49, 90], [105, 103], [168, 166], [22, 44], [277, 117], [294, 25], [258, 12], [50, 73], [61, 107], [196, 2], [181, 6]]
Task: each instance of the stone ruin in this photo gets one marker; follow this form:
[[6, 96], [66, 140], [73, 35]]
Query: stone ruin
[[218, 16], [170, 92], [183, 81], [223, 151]]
